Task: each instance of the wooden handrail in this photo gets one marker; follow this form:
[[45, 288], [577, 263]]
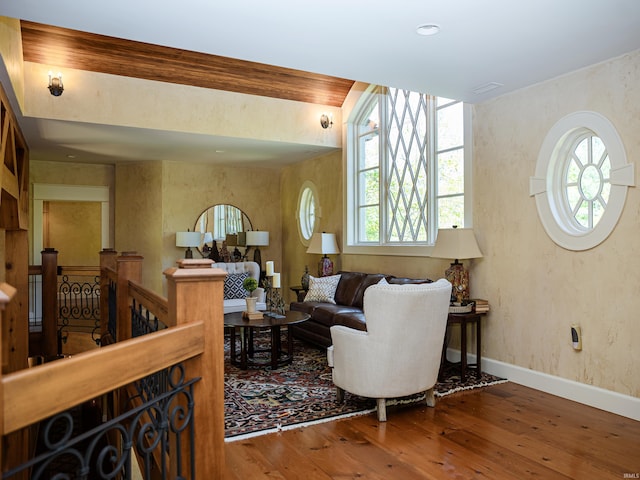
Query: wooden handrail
[[80, 270], [151, 301], [65, 383]]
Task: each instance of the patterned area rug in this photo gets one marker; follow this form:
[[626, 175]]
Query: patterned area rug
[[262, 400]]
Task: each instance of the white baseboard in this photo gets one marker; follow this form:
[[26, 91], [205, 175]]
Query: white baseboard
[[607, 400]]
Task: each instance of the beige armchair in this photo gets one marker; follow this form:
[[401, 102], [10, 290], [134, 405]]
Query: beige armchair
[[400, 352]]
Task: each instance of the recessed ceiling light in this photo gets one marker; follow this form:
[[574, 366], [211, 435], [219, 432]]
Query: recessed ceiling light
[[427, 29]]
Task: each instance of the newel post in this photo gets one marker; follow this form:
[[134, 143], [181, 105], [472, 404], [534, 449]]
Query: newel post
[[129, 267], [50, 302], [195, 292], [6, 294], [108, 258]]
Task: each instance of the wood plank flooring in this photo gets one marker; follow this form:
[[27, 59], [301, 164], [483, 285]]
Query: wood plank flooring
[[501, 432]]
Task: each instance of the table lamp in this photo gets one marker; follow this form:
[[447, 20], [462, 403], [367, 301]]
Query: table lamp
[[256, 238], [188, 239], [324, 244], [457, 243]]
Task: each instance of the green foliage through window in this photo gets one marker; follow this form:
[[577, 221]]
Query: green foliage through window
[[408, 168]]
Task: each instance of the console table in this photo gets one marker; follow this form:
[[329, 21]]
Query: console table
[[463, 319]]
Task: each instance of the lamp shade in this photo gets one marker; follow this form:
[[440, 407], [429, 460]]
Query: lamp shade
[[231, 239], [242, 239], [456, 243], [188, 239], [208, 238], [257, 238], [323, 243]]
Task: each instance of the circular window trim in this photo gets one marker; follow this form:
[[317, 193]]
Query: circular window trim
[[310, 186], [546, 184]]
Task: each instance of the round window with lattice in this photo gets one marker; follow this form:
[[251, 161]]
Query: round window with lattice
[[581, 180]]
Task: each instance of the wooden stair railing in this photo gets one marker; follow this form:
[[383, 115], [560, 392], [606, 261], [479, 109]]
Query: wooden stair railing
[[194, 316]]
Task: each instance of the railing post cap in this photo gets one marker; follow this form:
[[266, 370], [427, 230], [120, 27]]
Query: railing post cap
[[194, 263], [127, 256]]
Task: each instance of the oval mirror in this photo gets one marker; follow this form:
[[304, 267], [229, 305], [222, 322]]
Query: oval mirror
[[222, 223]]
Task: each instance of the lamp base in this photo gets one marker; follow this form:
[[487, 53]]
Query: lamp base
[[188, 253], [459, 278], [257, 257], [325, 267]]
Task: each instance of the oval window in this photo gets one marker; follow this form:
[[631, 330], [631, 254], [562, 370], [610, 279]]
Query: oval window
[[307, 207]]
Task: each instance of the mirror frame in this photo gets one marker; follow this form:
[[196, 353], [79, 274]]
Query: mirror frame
[[246, 224]]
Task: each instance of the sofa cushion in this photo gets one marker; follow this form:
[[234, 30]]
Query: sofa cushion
[[366, 282], [407, 281], [348, 287], [326, 313], [353, 320], [322, 289], [233, 286]]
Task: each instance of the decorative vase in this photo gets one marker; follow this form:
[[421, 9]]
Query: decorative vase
[[304, 281], [251, 304]]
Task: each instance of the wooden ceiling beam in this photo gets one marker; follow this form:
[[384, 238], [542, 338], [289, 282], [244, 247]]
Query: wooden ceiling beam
[[46, 44]]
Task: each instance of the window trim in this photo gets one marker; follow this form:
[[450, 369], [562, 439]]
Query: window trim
[[349, 153], [307, 185], [546, 184]]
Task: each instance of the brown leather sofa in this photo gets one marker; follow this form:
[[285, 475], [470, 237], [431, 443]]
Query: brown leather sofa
[[347, 310]]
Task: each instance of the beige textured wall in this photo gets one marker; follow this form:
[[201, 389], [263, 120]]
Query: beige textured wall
[[139, 217], [113, 100], [74, 229], [69, 173], [326, 173], [11, 53], [537, 289], [190, 188]]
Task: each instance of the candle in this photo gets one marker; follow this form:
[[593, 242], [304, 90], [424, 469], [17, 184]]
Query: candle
[[269, 265], [276, 280]]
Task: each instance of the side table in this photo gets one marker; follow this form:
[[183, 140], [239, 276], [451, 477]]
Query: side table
[[463, 319], [300, 292]]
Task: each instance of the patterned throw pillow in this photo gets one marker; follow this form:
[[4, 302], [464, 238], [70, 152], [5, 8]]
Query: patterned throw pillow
[[233, 286], [322, 289]]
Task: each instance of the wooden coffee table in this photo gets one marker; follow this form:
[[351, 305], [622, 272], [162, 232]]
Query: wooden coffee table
[[279, 356]]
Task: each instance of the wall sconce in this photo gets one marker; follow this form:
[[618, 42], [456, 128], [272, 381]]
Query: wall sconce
[[326, 120], [55, 84]]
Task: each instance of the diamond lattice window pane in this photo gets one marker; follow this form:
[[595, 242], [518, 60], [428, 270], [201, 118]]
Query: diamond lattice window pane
[[407, 177]]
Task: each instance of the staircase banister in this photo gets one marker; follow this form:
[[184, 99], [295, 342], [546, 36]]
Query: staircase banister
[[37, 393]]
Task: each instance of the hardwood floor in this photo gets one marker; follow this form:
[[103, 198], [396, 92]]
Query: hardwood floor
[[500, 432]]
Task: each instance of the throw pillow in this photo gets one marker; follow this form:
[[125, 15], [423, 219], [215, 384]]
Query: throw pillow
[[233, 286], [322, 289]]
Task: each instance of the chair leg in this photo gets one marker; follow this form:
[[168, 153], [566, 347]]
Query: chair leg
[[382, 409], [339, 394], [430, 398]]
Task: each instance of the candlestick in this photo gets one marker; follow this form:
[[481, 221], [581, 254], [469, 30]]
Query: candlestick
[[269, 266]]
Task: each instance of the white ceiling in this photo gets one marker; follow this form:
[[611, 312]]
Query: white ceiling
[[512, 43]]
